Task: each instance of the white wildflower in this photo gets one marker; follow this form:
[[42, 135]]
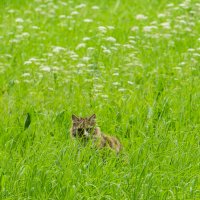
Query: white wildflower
[[111, 27], [35, 27], [55, 69], [19, 20], [80, 65], [161, 15], [57, 49], [149, 28], [135, 28], [116, 83], [184, 5], [14, 41], [114, 48], [39, 10], [106, 51], [131, 37], [88, 20], [74, 13], [130, 83], [187, 29], [182, 63], [90, 48], [45, 68], [141, 17], [86, 59], [177, 26], [103, 47], [196, 55], [74, 56], [178, 68], [33, 59], [182, 21], [110, 39], [104, 96], [25, 34], [20, 27], [116, 74], [197, 5], [191, 23], [49, 54], [81, 5], [28, 81], [167, 35], [95, 7], [69, 17], [154, 23], [99, 86], [62, 16], [117, 44], [128, 46], [170, 5], [29, 21], [8, 55], [121, 89], [27, 62], [132, 41], [86, 39], [165, 25], [102, 29], [150, 112], [191, 50], [194, 61], [91, 65], [11, 11], [26, 74], [10, 33], [80, 46], [96, 90]]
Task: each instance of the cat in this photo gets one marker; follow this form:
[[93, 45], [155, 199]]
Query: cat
[[86, 129]]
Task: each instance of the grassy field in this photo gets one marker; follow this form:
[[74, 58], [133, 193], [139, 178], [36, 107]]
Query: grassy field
[[136, 64]]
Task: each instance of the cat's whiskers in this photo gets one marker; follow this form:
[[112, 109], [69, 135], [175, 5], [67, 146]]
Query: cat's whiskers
[[86, 134]]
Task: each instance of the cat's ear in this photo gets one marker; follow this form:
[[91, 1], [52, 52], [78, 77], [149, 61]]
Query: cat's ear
[[92, 118], [75, 118]]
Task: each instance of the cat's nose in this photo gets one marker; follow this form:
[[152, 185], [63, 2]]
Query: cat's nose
[[86, 134]]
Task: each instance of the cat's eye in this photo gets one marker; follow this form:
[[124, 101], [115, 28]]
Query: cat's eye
[[88, 129], [80, 130]]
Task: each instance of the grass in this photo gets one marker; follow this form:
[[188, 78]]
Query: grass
[[133, 63]]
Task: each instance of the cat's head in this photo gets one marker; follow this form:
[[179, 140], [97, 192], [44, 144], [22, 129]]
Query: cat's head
[[83, 127]]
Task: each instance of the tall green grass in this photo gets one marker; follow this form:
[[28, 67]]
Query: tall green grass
[[133, 63]]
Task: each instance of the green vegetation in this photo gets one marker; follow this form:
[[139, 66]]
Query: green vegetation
[[136, 64]]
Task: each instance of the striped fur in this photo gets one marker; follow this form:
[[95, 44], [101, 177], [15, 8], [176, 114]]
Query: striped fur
[[86, 129]]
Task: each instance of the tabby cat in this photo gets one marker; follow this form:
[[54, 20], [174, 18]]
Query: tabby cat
[[86, 129]]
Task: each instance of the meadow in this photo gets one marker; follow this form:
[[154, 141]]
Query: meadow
[[135, 64]]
